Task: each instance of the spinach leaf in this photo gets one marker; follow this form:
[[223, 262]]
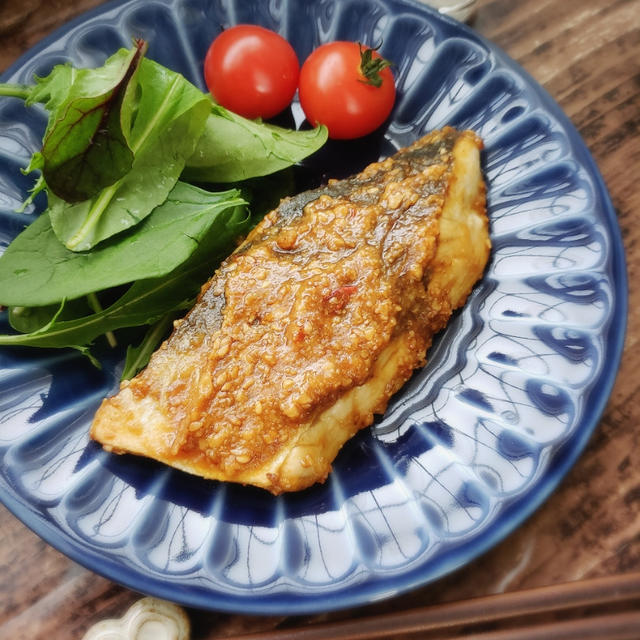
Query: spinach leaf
[[28, 319], [37, 270], [144, 302], [146, 241], [137, 307], [232, 148], [138, 356], [167, 120], [85, 148]]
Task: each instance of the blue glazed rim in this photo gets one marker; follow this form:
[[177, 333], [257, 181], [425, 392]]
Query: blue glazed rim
[[512, 515]]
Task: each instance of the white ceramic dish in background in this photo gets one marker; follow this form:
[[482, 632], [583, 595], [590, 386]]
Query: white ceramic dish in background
[[461, 10]]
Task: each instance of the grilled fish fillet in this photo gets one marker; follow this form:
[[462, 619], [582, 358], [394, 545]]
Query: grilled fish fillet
[[313, 323]]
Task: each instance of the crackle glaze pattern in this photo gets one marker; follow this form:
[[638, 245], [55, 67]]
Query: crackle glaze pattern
[[472, 444]]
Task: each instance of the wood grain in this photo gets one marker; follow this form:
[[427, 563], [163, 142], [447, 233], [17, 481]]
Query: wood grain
[[586, 53], [594, 608]]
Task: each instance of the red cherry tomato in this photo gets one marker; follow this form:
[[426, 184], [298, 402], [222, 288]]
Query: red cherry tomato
[[251, 71], [347, 87]]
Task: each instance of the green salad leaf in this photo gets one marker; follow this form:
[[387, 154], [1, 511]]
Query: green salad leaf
[[37, 270], [169, 117], [28, 319], [125, 241], [52, 90], [87, 126], [137, 356], [232, 148], [145, 301]]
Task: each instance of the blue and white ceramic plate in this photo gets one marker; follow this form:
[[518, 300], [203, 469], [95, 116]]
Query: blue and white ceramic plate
[[469, 448]]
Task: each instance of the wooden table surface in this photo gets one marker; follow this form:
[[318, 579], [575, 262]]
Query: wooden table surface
[[586, 53]]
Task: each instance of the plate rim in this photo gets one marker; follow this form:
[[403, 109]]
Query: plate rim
[[512, 516]]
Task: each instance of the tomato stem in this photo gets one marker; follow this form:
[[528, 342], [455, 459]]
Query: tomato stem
[[371, 67]]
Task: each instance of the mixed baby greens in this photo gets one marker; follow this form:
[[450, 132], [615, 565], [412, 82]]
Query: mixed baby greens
[[127, 239]]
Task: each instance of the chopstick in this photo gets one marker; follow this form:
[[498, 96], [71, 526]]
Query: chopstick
[[620, 626], [501, 608]]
